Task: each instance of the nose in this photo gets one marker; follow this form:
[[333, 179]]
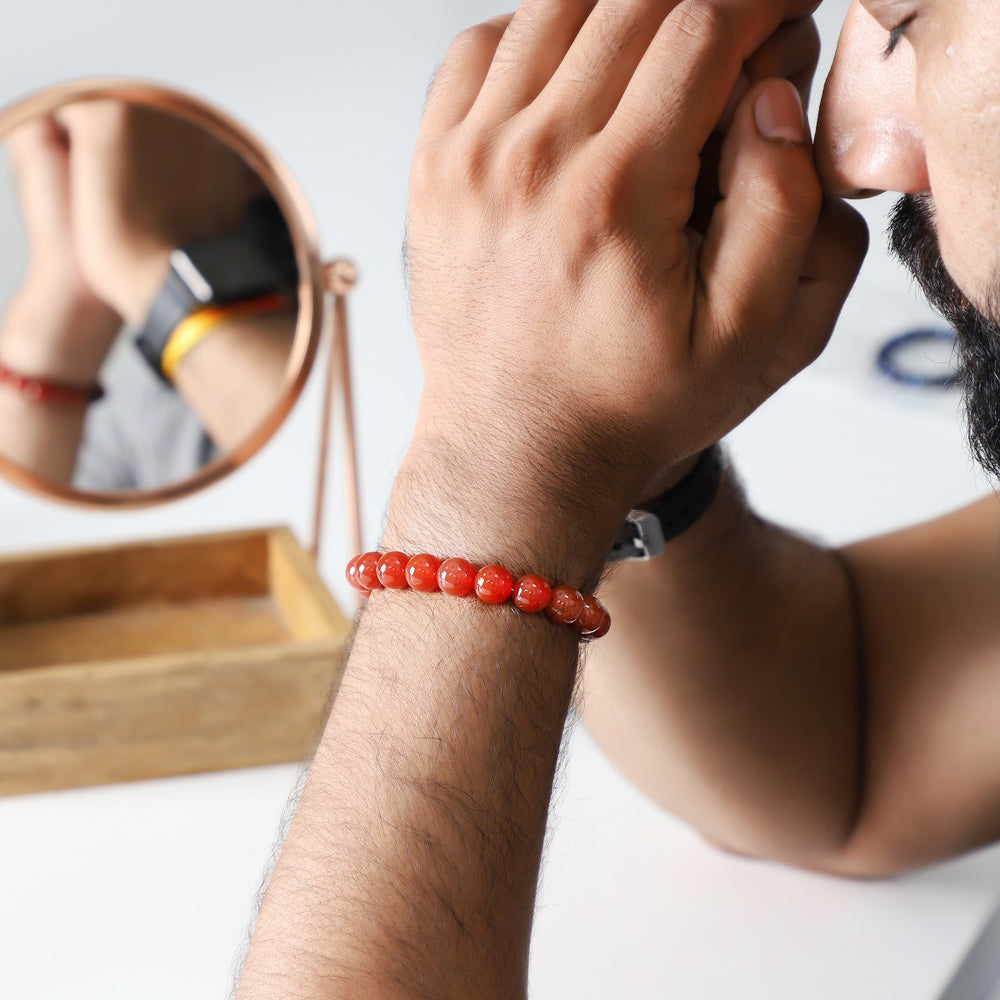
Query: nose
[[869, 138]]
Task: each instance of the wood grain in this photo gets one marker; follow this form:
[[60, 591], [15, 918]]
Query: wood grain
[[56, 584], [191, 656], [90, 724], [309, 610], [146, 630]]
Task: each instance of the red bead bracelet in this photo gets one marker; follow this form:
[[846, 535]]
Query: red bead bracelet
[[530, 594], [40, 390]]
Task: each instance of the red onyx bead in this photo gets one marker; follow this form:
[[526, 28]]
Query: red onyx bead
[[591, 615], [367, 571], [532, 594], [599, 632], [391, 570], [422, 573], [494, 584], [457, 577], [352, 573], [565, 606]]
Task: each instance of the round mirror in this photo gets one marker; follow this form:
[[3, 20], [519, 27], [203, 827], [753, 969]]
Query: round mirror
[[160, 294]]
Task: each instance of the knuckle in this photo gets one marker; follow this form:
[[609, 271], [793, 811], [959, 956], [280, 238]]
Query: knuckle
[[471, 46], [614, 33], [527, 162], [474, 40], [530, 13], [792, 49], [788, 200], [810, 41], [423, 173], [702, 23], [595, 206], [469, 168]]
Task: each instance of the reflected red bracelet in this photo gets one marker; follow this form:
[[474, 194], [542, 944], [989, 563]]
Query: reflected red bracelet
[[530, 594], [39, 390]]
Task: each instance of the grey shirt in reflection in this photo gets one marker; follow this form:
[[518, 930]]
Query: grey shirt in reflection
[[141, 435]]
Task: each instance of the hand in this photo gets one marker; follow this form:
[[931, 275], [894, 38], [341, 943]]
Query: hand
[[56, 325], [792, 54], [578, 335], [144, 182]]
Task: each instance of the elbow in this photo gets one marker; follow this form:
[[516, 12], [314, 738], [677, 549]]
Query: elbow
[[857, 856]]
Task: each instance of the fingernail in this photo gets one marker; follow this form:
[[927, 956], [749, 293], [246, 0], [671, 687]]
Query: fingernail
[[779, 113]]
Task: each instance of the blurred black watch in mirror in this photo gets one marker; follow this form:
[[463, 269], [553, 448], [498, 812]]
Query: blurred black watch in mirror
[[254, 260]]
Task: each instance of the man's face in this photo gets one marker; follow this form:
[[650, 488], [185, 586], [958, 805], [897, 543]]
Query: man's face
[[924, 119]]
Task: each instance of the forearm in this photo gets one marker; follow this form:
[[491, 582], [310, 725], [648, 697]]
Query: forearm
[[233, 378], [411, 866], [549, 250], [730, 689], [42, 438]]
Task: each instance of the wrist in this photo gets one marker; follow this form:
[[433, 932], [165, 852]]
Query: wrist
[[667, 478], [657, 522], [135, 283], [492, 508], [57, 331]]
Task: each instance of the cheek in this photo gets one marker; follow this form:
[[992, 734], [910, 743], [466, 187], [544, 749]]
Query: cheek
[[968, 222], [959, 96]]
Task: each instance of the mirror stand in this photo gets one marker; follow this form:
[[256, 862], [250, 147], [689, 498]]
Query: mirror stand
[[338, 279]]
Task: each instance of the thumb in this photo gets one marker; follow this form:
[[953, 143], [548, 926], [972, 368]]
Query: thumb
[[754, 250]]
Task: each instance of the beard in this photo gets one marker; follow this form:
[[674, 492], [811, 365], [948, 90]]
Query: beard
[[913, 240]]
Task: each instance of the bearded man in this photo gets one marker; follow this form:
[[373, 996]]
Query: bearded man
[[621, 242]]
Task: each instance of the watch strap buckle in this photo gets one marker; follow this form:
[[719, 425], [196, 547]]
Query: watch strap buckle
[[641, 537]]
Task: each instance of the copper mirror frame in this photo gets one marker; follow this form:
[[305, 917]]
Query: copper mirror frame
[[316, 281]]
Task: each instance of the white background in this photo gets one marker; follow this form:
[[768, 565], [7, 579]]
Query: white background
[[144, 890]]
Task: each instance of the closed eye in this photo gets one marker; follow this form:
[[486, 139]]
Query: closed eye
[[896, 36]]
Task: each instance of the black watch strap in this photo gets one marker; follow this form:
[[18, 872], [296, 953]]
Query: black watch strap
[[256, 259], [647, 530]]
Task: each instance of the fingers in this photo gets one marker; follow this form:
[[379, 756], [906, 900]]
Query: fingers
[[596, 71], [531, 50], [756, 244], [679, 90], [830, 268], [460, 78], [585, 60]]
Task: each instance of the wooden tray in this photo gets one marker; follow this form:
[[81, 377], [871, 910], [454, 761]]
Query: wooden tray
[[162, 658]]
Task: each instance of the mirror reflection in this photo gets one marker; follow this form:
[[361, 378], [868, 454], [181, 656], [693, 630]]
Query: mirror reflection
[[149, 305]]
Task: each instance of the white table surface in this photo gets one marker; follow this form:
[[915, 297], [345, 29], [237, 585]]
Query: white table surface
[[145, 890]]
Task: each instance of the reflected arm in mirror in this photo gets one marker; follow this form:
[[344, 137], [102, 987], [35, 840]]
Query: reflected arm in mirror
[[146, 183], [56, 328], [233, 378]]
